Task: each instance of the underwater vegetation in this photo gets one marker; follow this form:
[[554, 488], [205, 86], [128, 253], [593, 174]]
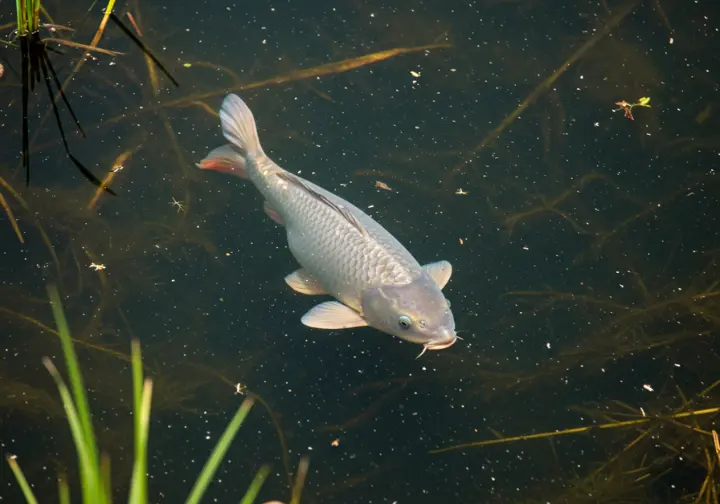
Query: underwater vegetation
[[35, 63], [570, 173], [95, 472]]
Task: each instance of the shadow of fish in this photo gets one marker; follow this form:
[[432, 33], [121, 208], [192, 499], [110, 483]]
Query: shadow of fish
[[343, 252]]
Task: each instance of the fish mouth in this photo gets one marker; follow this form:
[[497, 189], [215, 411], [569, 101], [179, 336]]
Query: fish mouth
[[439, 344]]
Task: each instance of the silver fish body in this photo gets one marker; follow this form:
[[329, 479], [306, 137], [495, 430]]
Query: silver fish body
[[342, 250]]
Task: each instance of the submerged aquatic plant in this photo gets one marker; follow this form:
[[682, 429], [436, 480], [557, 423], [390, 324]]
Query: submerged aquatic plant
[[94, 467], [36, 63]]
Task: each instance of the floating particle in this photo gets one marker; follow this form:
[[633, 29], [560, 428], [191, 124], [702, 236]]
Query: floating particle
[[627, 107]]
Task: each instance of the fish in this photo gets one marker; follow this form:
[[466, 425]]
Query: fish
[[342, 251]]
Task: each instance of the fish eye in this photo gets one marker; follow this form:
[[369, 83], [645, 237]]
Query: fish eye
[[405, 322]]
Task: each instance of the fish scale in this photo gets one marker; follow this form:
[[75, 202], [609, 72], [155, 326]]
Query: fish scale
[[324, 242]]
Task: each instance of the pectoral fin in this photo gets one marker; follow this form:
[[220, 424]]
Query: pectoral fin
[[440, 272], [333, 315], [304, 283]]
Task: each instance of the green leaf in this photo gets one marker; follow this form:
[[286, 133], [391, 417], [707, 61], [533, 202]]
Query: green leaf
[[20, 477], [218, 453], [256, 485]]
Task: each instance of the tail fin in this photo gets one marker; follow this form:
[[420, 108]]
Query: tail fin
[[224, 159], [238, 125]]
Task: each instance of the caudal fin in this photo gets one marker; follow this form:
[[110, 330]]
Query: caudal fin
[[238, 125], [224, 159]]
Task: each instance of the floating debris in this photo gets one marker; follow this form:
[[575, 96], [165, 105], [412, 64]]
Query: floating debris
[[382, 185], [627, 107], [177, 204]]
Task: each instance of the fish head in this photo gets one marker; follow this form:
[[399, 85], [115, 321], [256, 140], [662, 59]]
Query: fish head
[[417, 312]]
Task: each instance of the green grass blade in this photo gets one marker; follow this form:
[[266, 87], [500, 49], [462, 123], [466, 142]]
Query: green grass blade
[[106, 477], [35, 15], [19, 13], [20, 477], [29, 6], [138, 487], [63, 490], [89, 473], [142, 395], [76, 382], [137, 375], [256, 485], [218, 453], [300, 476]]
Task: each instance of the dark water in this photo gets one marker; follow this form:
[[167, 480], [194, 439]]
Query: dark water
[[584, 246]]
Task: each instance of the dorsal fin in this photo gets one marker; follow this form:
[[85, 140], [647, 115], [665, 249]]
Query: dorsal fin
[[346, 214]]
